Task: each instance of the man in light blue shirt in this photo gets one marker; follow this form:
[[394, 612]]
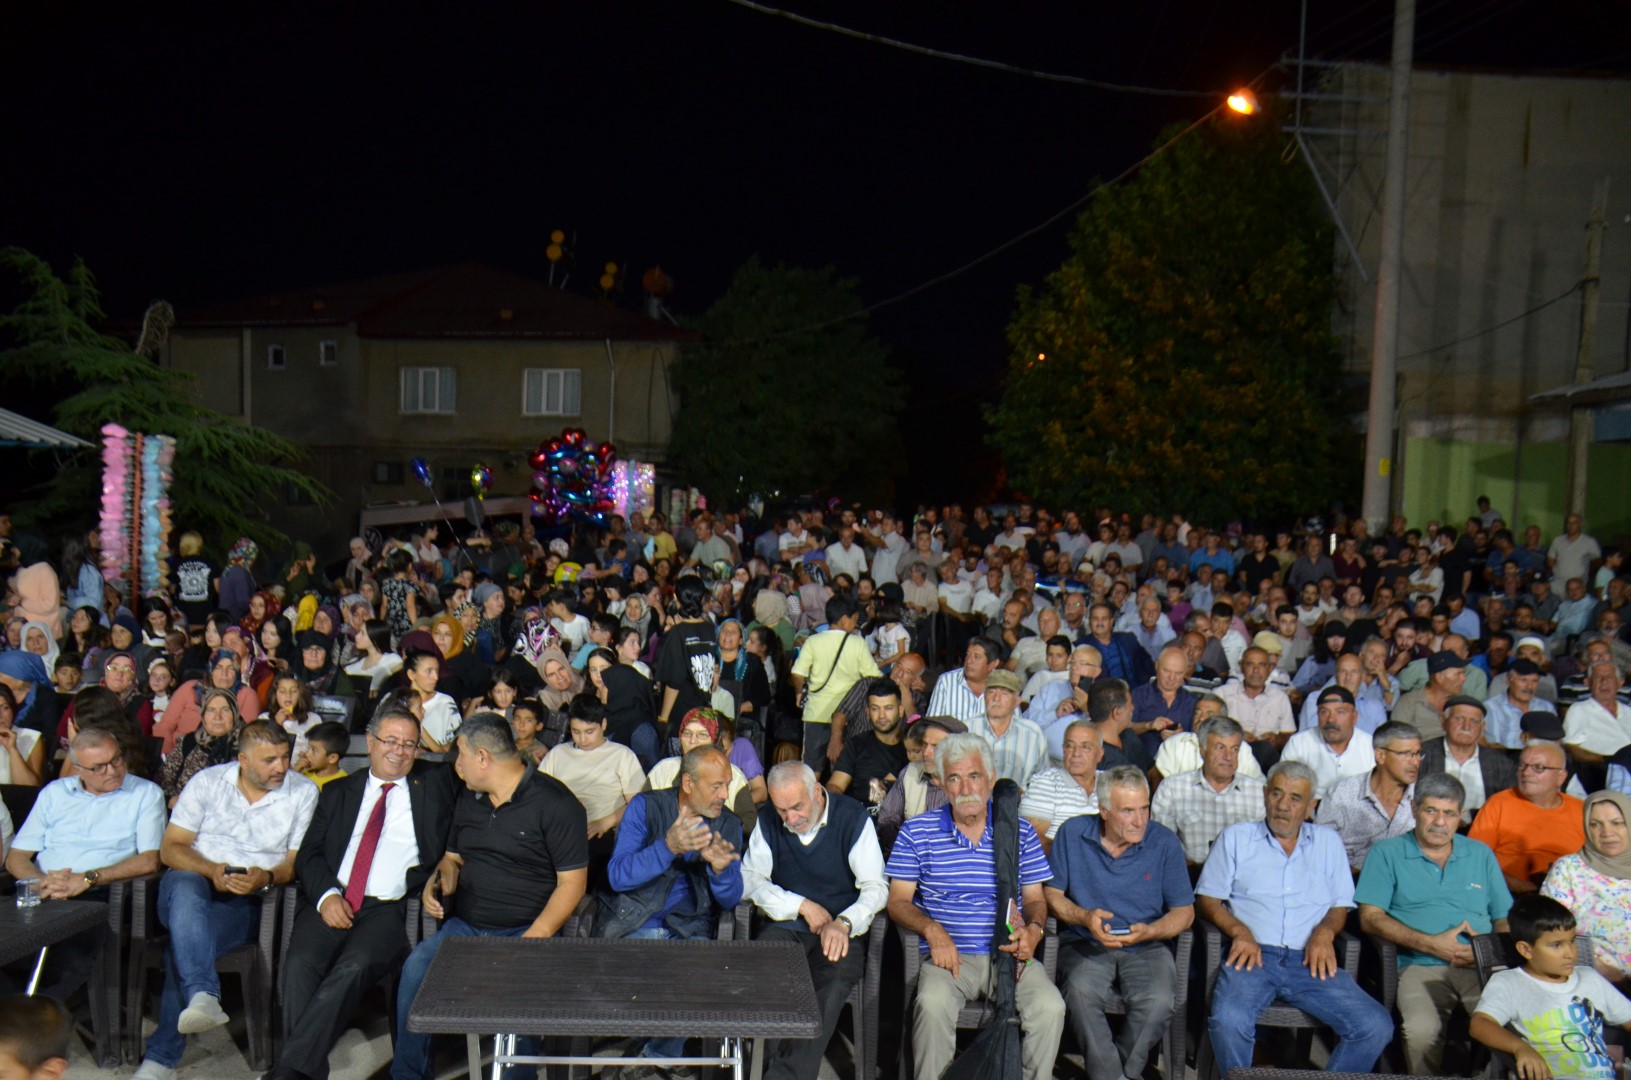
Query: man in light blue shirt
[[84, 833], [1288, 889]]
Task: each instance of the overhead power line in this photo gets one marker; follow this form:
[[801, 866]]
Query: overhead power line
[[1564, 295], [994, 65]]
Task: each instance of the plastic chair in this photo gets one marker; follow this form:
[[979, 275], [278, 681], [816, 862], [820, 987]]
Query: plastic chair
[[1174, 1046], [252, 962], [1278, 1014]]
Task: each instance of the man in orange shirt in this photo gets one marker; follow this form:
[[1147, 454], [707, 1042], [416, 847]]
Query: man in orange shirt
[[1531, 825]]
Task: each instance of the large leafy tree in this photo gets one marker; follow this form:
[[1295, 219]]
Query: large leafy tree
[[224, 470], [786, 392], [1182, 357]]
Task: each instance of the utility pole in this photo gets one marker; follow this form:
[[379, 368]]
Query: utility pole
[[1585, 359], [1379, 434]]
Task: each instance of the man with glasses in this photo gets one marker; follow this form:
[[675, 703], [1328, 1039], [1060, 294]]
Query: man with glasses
[[84, 833], [1482, 771], [374, 839], [1377, 805], [1532, 825]]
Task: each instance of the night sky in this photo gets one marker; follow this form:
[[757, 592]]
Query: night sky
[[208, 153]]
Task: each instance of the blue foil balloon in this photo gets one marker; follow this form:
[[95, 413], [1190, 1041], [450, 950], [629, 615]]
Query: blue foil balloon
[[421, 469]]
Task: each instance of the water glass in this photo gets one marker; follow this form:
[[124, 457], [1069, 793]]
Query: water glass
[[28, 892]]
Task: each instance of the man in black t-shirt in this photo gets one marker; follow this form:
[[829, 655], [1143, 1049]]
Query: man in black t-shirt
[[687, 661], [517, 864], [870, 763]]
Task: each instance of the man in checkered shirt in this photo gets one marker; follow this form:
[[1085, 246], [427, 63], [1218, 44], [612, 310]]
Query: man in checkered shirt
[[1199, 805]]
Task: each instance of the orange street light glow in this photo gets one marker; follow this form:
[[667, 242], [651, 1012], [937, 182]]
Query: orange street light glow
[[1243, 102]]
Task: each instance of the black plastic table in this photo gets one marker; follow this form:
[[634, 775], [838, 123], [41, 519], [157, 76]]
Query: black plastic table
[[36, 929], [511, 987]]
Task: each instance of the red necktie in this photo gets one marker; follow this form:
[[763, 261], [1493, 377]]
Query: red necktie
[[365, 851]]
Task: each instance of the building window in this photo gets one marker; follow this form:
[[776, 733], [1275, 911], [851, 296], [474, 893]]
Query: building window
[[551, 392], [328, 354], [428, 390], [388, 472], [274, 357]]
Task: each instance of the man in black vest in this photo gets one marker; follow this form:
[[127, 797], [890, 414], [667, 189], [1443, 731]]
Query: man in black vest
[[817, 874], [675, 868], [375, 837]]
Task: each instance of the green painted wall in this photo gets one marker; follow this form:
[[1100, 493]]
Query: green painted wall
[[1443, 479]]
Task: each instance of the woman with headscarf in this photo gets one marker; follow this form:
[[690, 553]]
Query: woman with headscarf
[[492, 605], [36, 638], [120, 679], [25, 675], [770, 612], [464, 676], [1595, 883], [702, 727], [213, 742], [237, 581], [637, 614], [561, 684], [305, 613], [262, 606], [186, 709], [742, 675], [22, 750], [327, 621], [317, 668]]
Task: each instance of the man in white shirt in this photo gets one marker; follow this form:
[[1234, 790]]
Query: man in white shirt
[[846, 556], [232, 837], [1597, 726], [349, 931], [1336, 749], [795, 541], [821, 896], [891, 546]]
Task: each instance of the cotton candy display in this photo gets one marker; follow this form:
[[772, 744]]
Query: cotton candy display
[[135, 511]]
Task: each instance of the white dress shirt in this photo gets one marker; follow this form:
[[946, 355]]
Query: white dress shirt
[[228, 828], [1310, 748], [780, 905], [398, 849]]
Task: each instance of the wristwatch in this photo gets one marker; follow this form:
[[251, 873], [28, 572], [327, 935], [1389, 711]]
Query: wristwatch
[[847, 924], [92, 877]]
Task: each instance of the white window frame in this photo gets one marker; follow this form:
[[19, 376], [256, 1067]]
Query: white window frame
[[552, 392], [424, 391], [277, 357], [328, 353]]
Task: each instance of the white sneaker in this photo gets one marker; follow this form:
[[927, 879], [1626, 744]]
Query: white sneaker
[[203, 1012], [152, 1070]]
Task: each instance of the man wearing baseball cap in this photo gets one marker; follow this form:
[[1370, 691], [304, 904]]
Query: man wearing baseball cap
[[1423, 709], [1336, 749], [1504, 712]]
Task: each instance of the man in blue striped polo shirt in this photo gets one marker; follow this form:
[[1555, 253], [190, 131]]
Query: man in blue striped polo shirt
[[943, 887]]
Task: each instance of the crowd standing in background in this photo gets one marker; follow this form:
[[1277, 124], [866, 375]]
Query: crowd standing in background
[[671, 714]]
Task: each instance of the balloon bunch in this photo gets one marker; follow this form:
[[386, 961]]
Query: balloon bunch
[[481, 480], [135, 512], [573, 478]]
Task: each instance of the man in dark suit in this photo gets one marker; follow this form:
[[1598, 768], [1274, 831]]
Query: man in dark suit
[[374, 839], [1124, 658], [1483, 771]]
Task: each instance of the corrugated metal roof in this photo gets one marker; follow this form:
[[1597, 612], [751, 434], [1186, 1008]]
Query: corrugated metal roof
[[18, 430], [1596, 392]]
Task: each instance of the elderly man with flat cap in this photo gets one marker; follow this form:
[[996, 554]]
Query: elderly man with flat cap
[[1019, 749], [1337, 748], [1504, 712], [1423, 709], [1483, 772]]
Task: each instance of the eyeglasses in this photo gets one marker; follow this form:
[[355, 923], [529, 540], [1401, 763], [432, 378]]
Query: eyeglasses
[[127, 669], [1408, 755], [396, 744], [106, 767], [1529, 767]]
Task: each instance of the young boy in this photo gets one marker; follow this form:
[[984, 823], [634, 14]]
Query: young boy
[[326, 744], [1549, 1014], [526, 722], [34, 1035]]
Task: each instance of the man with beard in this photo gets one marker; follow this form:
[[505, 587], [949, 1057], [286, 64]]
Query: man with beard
[[871, 763]]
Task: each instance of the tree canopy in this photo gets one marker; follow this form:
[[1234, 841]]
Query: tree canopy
[[1182, 357], [769, 404], [224, 470]]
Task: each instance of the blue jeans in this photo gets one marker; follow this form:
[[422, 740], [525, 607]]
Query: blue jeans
[[660, 1048], [1363, 1027], [412, 1060], [203, 925]]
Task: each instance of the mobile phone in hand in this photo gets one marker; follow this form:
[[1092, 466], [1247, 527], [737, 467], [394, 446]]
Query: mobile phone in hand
[[235, 870]]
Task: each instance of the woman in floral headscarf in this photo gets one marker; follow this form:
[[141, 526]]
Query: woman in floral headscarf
[[213, 742], [262, 606], [186, 709], [237, 581]]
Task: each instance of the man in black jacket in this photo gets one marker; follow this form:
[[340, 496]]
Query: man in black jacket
[[1483, 771], [375, 837]]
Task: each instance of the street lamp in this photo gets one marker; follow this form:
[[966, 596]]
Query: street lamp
[[1243, 101]]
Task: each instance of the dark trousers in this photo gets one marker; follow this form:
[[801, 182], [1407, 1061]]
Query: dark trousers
[[326, 973], [800, 1059], [69, 964]]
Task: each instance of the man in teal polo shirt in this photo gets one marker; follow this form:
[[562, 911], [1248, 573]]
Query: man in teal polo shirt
[[1427, 892]]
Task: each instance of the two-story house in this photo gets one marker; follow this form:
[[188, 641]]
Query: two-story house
[[458, 365]]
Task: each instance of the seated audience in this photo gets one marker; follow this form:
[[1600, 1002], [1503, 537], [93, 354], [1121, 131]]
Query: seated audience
[[1199, 804], [1532, 825], [1376, 805], [1336, 749], [1057, 794], [1459, 752], [871, 763], [1595, 883], [918, 790]]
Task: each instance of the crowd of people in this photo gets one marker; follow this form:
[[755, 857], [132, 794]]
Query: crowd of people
[[639, 726]]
